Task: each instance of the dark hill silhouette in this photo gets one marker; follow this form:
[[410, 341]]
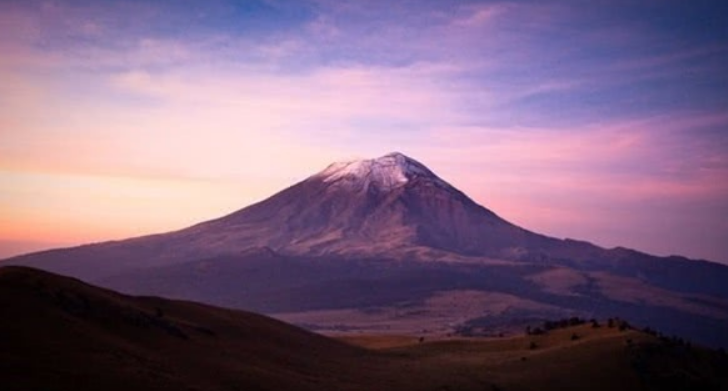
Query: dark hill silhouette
[[59, 333]]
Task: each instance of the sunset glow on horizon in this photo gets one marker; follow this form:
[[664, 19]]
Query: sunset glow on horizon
[[600, 121]]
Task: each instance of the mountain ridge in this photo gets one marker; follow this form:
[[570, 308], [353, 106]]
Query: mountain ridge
[[388, 232], [419, 206], [307, 216]]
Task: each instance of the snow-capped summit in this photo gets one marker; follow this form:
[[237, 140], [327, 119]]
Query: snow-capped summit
[[385, 173]]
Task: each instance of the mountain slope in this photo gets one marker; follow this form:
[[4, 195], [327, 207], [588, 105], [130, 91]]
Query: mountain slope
[[391, 203], [372, 206], [59, 333], [388, 207]]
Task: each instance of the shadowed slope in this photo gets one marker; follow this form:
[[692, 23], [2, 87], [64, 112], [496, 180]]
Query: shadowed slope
[[59, 333]]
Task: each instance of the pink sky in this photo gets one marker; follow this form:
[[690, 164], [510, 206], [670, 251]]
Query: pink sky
[[110, 129]]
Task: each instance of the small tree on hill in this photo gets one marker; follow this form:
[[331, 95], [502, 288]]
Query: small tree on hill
[[576, 321]]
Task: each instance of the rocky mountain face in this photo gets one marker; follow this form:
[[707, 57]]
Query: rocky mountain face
[[381, 232], [368, 208]]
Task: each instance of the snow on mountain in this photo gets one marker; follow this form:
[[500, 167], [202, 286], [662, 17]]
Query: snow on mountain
[[384, 173]]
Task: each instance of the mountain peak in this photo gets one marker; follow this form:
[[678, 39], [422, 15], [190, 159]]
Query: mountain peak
[[387, 172], [396, 155]]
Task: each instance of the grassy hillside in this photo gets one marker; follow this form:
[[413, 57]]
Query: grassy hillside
[[58, 333], [572, 358]]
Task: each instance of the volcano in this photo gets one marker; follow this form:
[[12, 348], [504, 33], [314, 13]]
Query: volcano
[[380, 233], [392, 207], [377, 207]]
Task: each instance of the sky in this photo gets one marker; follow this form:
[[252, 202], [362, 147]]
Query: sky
[[600, 120]]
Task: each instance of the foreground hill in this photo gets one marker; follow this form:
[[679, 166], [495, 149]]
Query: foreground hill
[[59, 333], [377, 235]]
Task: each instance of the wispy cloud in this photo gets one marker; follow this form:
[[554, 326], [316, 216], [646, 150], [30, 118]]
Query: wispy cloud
[[666, 156], [479, 15]]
